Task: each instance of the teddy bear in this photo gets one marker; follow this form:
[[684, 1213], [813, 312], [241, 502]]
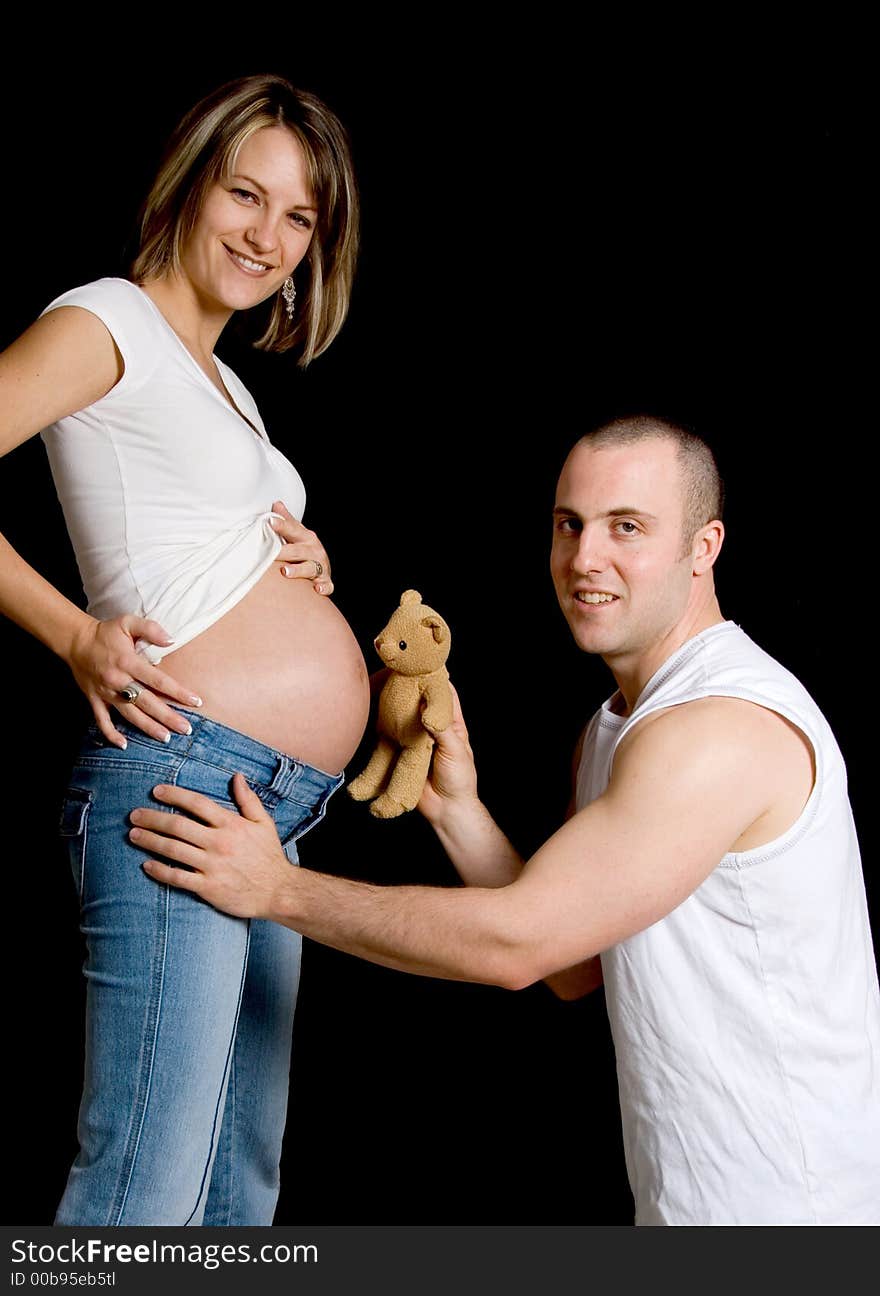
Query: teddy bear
[[415, 703]]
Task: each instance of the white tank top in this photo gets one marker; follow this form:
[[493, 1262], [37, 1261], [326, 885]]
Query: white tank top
[[166, 489], [746, 1023]]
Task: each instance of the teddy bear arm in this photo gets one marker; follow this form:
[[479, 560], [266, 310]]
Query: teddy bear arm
[[437, 713]]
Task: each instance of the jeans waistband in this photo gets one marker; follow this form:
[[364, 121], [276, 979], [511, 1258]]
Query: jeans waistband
[[219, 745]]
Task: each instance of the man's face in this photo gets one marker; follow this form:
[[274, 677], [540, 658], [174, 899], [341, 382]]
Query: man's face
[[617, 565]]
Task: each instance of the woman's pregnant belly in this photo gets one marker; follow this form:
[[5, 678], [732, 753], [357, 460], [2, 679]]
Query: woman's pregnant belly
[[283, 667]]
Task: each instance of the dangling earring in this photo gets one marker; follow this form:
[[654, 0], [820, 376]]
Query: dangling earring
[[288, 292]]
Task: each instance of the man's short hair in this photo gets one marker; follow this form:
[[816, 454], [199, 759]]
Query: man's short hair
[[702, 487]]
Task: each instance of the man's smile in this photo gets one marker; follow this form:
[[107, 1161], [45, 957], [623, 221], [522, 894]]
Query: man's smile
[[595, 596]]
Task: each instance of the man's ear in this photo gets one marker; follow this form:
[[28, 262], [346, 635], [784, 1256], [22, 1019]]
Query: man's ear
[[707, 546]]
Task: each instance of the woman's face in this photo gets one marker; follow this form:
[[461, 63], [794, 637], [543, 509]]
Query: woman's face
[[255, 225]]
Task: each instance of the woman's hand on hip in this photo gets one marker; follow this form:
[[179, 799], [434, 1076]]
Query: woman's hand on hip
[[104, 662], [302, 556]]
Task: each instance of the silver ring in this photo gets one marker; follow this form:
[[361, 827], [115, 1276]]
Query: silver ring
[[131, 692], [319, 568]]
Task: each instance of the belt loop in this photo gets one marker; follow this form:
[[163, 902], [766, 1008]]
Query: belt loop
[[286, 774]]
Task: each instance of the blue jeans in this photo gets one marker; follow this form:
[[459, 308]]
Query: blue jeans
[[188, 1011]]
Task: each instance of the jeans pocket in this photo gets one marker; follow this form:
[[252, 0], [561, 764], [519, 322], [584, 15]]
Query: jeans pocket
[[73, 828]]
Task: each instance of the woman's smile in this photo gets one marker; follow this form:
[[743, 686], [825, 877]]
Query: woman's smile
[[248, 264]]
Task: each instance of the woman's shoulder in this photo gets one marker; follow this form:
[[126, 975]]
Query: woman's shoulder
[[129, 317], [112, 292]]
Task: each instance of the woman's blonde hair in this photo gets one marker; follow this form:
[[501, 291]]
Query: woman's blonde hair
[[203, 150]]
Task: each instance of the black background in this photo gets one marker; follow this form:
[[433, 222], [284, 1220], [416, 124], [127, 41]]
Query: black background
[[553, 233]]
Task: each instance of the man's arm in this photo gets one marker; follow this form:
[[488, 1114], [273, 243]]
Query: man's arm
[[584, 977], [476, 846], [616, 867]]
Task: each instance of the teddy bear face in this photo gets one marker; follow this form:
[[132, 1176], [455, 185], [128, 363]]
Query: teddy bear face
[[415, 641]]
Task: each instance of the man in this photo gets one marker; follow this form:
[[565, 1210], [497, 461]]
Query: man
[[711, 861]]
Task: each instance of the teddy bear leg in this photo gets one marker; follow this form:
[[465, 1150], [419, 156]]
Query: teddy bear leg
[[368, 783], [407, 781]]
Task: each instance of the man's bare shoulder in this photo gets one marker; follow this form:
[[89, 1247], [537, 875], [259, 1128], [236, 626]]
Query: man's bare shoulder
[[754, 751], [710, 720]]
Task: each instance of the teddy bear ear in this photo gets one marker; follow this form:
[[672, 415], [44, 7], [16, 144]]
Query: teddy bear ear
[[410, 596], [439, 629]]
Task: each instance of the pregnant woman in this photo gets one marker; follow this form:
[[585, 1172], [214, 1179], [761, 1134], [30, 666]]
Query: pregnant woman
[[198, 654]]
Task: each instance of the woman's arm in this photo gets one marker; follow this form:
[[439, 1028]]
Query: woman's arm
[[62, 363]]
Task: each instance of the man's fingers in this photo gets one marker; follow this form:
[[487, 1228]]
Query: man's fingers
[[170, 847], [193, 802], [457, 716], [453, 738], [171, 825], [173, 876], [247, 800]]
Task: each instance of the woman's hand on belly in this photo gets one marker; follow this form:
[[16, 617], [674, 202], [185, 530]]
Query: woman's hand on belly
[[104, 661], [303, 557]]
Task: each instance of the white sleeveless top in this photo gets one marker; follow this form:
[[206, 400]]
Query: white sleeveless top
[[166, 489], [746, 1023]]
